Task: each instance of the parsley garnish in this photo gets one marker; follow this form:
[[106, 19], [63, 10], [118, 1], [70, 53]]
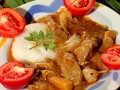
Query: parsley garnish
[[41, 38]]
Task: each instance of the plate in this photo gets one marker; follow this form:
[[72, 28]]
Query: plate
[[102, 14]]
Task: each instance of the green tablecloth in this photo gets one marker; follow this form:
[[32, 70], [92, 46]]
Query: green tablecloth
[[13, 3]]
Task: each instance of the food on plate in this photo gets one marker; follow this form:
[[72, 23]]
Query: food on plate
[[12, 23], [64, 50], [26, 50], [75, 56], [79, 7], [112, 57], [80, 43], [44, 39], [14, 75]]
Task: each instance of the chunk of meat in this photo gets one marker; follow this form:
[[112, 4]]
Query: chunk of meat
[[97, 62], [111, 34], [69, 67], [82, 53], [96, 59], [65, 18], [108, 40], [86, 49], [82, 24]]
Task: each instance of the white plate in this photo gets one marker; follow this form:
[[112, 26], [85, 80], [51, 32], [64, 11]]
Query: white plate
[[101, 14]]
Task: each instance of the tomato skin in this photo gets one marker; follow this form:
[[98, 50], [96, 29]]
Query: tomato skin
[[82, 11], [115, 50], [19, 80], [12, 23], [111, 61]]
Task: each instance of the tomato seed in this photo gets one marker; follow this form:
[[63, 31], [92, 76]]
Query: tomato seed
[[81, 3], [77, 4]]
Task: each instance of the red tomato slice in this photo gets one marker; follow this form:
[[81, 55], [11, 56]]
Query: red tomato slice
[[115, 50], [12, 22], [14, 75], [111, 61], [79, 7]]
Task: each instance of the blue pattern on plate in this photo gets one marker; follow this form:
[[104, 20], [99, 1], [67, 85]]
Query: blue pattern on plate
[[56, 4], [115, 76], [97, 85]]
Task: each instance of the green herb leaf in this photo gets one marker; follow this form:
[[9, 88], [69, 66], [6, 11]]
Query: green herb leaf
[[28, 38], [50, 45], [41, 35], [33, 47], [34, 35], [41, 38]]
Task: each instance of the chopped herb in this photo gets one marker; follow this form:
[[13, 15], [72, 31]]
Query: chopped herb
[[50, 45], [41, 38]]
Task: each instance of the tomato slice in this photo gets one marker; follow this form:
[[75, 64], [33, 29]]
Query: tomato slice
[[14, 75], [12, 23], [115, 50], [111, 61], [79, 7]]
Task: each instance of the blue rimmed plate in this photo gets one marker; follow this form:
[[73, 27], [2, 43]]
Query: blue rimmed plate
[[102, 14]]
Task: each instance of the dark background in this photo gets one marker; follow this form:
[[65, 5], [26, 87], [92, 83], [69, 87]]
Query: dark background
[[105, 3], [102, 1]]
